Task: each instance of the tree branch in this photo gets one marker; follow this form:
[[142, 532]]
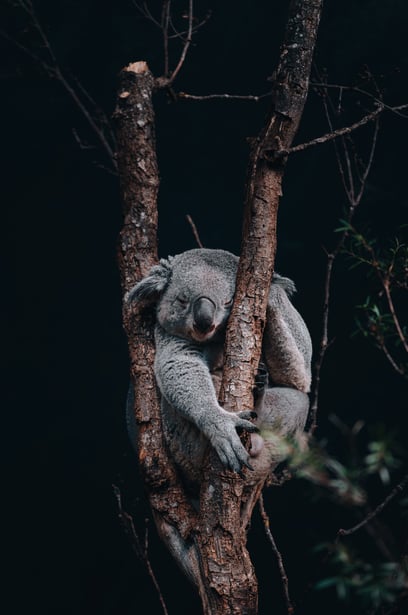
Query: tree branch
[[186, 45], [195, 231], [223, 495], [139, 182], [397, 489], [129, 527], [354, 199], [185, 96], [334, 134], [52, 67], [282, 571]]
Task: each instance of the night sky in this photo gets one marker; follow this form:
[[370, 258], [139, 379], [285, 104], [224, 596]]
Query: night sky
[[64, 359]]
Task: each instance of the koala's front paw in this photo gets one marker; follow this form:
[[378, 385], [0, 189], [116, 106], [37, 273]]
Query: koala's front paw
[[226, 440]]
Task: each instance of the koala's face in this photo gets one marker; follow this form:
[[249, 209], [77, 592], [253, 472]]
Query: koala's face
[[196, 303], [193, 292]]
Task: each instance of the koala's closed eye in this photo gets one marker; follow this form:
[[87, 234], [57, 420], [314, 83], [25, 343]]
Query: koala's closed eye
[[182, 301]]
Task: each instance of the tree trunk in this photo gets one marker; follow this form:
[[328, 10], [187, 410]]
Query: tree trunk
[[226, 506], [209, 546], [139, 183]]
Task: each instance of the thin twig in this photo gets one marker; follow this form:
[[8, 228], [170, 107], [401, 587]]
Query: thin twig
[[130, 530], [333, 134], [194, 229], [369, 163], [390, 359], [199, 25], [144, 10], [165, 29], [348, 188], [285, 582], [400, 487], [323, 346], [354, 198], [52, 67], [186, 44], [404, 341], [357, 90], [222, 96]]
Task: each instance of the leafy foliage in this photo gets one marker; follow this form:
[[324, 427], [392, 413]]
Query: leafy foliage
[[382, 316], [372, 457], [354, 579]]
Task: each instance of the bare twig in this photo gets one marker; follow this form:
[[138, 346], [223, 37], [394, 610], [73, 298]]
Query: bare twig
[[89, 118], [194, 229], [369, 163], [187, 43], [324, 344], [334, 134], [386, 286], [390, 358], [354, 194], [282, 571], [145, 11], [165, 18], [142, 552], [52, 67], [357, 90], [196, 27], [169, 31], [222, 96], [397, 489]]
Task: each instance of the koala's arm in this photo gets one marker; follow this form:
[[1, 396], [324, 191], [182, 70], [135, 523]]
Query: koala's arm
[[184, 380], [287, 345]]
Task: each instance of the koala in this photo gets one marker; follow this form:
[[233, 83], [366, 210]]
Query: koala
[[192, 294]]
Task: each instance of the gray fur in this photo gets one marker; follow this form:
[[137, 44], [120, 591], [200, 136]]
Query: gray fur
[[193, 294]]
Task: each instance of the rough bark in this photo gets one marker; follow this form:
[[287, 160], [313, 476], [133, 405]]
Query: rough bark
[[209, 546], [139, 183], [226, 506]]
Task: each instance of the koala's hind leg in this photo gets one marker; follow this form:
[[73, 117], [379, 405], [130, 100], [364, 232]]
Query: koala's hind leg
[[282, 410], [285, 410]]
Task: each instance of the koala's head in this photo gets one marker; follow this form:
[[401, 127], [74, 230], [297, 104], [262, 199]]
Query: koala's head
[[193, 292]]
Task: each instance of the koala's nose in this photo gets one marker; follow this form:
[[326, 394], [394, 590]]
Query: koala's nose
[[203, 313]]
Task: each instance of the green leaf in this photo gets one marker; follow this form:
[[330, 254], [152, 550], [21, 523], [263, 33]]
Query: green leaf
[[326, 583]]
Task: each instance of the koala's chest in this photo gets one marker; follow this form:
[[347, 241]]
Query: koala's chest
[[214, 357]]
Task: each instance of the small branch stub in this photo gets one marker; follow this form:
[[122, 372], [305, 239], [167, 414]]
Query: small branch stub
[[137, 67]]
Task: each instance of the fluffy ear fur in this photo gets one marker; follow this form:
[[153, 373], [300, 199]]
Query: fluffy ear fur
[[152, 286], [287, 284]]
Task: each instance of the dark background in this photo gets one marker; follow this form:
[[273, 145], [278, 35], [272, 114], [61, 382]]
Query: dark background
[[65, 358]]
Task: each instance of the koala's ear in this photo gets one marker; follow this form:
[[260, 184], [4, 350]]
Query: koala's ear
[[153, 285], [287, 284]]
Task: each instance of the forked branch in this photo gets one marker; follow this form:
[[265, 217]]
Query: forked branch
[[209, 546]]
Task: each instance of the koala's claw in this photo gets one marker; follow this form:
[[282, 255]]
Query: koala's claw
[[247, 414], [261, 377], [248, 465], [232, 455], [227, 443]]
